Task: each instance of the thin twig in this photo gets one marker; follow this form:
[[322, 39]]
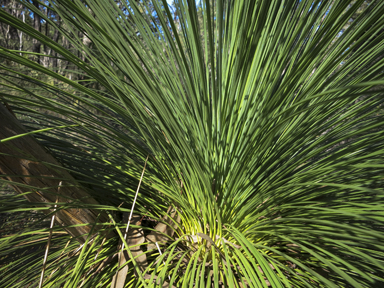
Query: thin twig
[[133, 205], [49, 239], [158, 248], [129, 221]]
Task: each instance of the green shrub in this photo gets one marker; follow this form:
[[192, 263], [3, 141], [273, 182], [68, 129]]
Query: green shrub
[[261, 122]]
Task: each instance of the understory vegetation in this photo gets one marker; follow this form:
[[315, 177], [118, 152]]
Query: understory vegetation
[[210, 143]]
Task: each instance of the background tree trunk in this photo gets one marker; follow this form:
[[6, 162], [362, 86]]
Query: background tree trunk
[[27, 163], [37, 25]]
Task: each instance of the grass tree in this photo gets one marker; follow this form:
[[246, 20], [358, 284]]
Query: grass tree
[[219, 143]]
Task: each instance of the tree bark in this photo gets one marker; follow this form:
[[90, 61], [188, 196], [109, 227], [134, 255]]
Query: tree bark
[[37, 25], [55, 38], [32, 169]]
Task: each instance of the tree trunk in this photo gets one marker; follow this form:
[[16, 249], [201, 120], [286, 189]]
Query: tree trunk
[[37, 25], [21, 37], [31, 165], [55, 38]]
